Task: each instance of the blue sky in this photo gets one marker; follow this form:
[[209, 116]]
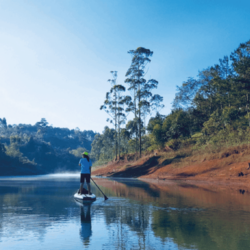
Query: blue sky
[[56, 55]]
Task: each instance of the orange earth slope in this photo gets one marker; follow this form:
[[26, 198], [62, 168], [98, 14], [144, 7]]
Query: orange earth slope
[[230, 169]]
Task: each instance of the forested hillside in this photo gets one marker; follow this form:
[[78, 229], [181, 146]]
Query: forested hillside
[[209, 111], [40, 148]]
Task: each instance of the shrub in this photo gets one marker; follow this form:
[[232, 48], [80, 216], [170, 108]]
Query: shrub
[[174, 144]]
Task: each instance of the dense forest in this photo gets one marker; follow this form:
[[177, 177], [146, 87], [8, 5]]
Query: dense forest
[[40, 148], [210, 110]]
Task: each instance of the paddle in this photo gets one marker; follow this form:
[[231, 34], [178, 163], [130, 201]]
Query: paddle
[[105, 197]]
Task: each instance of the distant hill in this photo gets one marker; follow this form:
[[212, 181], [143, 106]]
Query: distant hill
[[40, 149]]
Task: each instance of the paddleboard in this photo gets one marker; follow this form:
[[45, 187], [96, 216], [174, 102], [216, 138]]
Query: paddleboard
[[84, 197]]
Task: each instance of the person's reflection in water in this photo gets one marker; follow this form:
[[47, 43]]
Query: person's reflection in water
[[85, 230]]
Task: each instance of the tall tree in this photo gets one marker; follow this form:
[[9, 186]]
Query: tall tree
[[114, 106], [143, 99]]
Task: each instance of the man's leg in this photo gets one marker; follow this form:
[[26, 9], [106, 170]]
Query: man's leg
[[89, 188], [81, 186], [88, 183]]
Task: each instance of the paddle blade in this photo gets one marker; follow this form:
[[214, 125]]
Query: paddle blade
[[105, 197]]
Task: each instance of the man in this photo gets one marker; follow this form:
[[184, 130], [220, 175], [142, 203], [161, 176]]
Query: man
[[85, 164]]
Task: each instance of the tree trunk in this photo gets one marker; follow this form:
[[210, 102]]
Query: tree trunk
[[136, 132], [247, 111], [139, 127], [139, 109], [115, 123]]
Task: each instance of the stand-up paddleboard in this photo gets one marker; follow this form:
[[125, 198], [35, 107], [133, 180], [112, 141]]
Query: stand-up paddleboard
[[84, 197]]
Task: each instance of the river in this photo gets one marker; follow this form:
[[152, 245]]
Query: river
[[40, 213]]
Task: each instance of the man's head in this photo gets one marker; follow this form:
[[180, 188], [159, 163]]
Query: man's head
[[85, 153]]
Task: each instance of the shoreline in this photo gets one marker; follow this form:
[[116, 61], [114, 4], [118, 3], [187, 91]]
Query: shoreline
[[197, 182], [235, 182], [233, 170]]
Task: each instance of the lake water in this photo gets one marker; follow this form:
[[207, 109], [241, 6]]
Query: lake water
[[41, 213]]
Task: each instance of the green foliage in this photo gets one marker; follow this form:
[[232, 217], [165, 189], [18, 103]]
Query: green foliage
[[103, 149], [157, 135], [41, 149], [197, 135], [222, 119], [145, 142], [212, 109], [209, 110], [177, 125], [13, 151], [15, 139], [174, 144], [132, 145]]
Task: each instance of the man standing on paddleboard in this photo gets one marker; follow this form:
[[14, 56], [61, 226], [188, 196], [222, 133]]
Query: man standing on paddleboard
[[85, 164]]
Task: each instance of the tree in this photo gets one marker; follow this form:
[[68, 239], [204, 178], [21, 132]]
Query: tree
[[241, 65], [143, 99], [222, 79], [157, 135], [185, 94], [177, 125], [114, 106], [2, 150], [103, 145], [3, 123], [42, 125]]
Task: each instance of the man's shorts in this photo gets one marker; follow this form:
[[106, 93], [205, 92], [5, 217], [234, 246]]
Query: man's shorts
[[85, 176]]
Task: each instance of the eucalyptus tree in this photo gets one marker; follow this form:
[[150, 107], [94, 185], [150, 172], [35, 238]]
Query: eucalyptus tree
[[149, 102], [114, 105], [143, 101], [123, 102]]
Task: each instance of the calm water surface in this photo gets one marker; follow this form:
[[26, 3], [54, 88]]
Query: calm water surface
[[41, 213]]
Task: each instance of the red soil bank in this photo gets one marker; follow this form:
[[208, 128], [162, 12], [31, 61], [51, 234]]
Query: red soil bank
[[213, 171]]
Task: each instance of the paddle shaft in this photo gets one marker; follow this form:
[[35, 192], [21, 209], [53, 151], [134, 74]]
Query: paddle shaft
[[105, 197]]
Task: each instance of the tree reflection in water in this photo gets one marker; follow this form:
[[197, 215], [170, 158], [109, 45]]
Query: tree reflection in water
[[137, 215], [193, 216]]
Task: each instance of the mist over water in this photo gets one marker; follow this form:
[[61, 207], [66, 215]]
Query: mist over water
[[43, 177], [39, 212]]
